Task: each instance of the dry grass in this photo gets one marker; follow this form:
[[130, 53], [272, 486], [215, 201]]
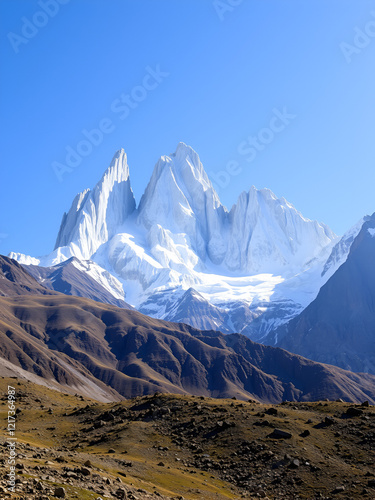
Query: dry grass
[[183, 433]]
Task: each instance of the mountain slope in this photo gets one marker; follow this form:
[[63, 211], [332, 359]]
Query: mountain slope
[[274, 236], [338, 327], [188, 307], [14, 280], [341, 250], [80, 343], [80, 278]]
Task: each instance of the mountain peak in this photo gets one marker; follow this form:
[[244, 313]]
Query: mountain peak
[[95, 215], [186, 162], [118, 169], [179, 185], [182, 148]]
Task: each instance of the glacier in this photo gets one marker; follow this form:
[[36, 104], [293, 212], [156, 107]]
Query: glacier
[[180, 253]]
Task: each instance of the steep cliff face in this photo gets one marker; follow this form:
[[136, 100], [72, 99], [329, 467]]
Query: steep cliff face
[[338, 327], [96, 215]]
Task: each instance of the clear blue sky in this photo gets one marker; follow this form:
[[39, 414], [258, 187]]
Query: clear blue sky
[[228, 69]]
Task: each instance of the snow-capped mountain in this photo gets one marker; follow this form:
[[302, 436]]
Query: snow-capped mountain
[[252, 267]]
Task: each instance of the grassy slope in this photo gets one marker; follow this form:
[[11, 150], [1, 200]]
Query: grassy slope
[[202, 459]]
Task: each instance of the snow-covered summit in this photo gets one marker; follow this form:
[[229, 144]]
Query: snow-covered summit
[[95, 216], [275, 237], [261, 233], [181, 199]]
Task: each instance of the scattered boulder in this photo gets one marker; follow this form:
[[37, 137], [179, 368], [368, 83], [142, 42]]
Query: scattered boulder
[[60, 492], [305, 433], [271, 411], [84, 471], [353, 412], [328, 421], [294, 464], [338, 489], [121, 493], [224, 424], [99, 423], [279, 434]]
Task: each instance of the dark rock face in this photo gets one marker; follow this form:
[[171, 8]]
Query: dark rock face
[[338, 327]]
